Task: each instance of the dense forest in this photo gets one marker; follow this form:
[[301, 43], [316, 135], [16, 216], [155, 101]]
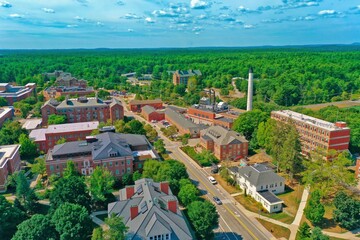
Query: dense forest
[[285, 76]]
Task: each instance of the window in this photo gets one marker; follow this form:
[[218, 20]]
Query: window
[[116, 163], [51, 168], [261, 187], [117, 172], [280, 184], [110, 164], [128, 170], [104, 164], [128, 162], [139, 165]]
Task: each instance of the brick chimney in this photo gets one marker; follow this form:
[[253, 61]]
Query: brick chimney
[[164, 187], [340, 124], [134, 211], [172, 205], [129, 191]]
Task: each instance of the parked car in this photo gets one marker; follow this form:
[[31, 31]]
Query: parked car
[[153, 121], [214, 168], [217, 200], [212, 180]]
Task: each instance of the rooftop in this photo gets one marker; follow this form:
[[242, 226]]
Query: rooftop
[[181, 120], [188, 73], [270, 197], [40, 134], [5, 110], [153, 217], [133, 102], [222, 136], [31, 124], [6, 152], [308, 119], [259, 174]]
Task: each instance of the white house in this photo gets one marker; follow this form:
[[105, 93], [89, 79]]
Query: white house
[[261, 183]]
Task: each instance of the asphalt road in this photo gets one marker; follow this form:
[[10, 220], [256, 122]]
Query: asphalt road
[[233, 224]]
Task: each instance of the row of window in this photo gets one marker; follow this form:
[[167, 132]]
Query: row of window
[[160, 237], [270, 185]]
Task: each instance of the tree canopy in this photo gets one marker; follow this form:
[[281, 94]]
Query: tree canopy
[[347, 212], [56, 119]]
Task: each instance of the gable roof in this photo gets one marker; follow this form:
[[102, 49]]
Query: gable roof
[[259, 174], [222, 136], [148, 109], [188, 73], [142, 102], [179, 119], [153, 216]]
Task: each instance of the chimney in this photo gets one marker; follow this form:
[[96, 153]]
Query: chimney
[[134, 211], [172, 205], [164, 187], [340, 124], [250, 90], [129, 192]]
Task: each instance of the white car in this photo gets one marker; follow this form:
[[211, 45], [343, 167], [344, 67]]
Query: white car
[[212, 180], [153, 121]]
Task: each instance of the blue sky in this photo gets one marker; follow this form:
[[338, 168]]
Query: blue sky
[[58, 24]]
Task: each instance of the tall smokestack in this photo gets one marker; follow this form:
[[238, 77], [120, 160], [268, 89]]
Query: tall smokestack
[[250, 90]]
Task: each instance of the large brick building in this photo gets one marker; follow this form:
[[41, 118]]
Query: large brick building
[[137, 105], [151, 114], [83, 109], [65, 79], [119, 153], [9, 163], [5, 114], [225, 144], [16, 93], [46, 138], [182, 77], [206, 115], [55, 92], [316, 133], [184, 125]]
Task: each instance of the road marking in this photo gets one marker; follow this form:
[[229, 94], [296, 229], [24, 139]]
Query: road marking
[[228, 227], [227, 208]]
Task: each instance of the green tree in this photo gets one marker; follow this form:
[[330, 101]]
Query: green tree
[[188, 194], [97, 234], [103, 94], [160, 146], [3, 102], [37, 227], [70, 190], [100, 184], [56, 119], [328, 176], [70, 170], [314, 211], [134, 127], [192, 84], [151, 168], [10, 132], [136, 176], [10, 217], [72, 221], [347, 211], [170, 131], [317, 234], [39, 167], [304, 232], [151, 133], [127, 179], [117, 229], [203, 217], [22, 187], [28, 147], [61, 141], [247, 122]]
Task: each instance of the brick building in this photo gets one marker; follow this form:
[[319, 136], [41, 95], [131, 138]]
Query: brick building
[[182, 77], [225, 144], [83, 109], [46, 138], [223, 122], [5, 114], [151, 114], [184, 125], [17, 93], [119, 153], [9, 163], [206, 115], [65, 79], [137, 105], [55, 92], [315, 133]]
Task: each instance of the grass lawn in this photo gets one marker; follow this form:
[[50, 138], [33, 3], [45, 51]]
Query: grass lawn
[[250, 204], [229, 188], [292, 199], [102, 217], [276, 230]]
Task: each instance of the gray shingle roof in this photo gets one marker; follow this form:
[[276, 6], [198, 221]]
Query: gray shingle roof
[[148, 109], [222, 136], [134, 102], [188, 73], [156, 218], [270, 197], [179, 119], [259, 175]]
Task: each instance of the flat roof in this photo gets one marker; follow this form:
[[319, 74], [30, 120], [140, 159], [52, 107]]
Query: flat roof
[[270, 197], [4, 111], [308, 119], [31, 124], [6, 152], [40, 134]]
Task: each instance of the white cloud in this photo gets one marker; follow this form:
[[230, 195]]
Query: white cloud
[[327, 12], [120, 3], [199, 4], [72, 26], [5, 4], [100, 24], [15, 15], [149, 20], [243, 9], [48, 10], [130, 30], [80, 19], [249, 26], [131, 16]]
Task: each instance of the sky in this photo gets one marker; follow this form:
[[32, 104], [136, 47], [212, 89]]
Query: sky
[[63, 24]]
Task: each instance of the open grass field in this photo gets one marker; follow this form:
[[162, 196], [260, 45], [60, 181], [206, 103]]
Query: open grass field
[[276, 230], [229, 188], [341, 104]]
